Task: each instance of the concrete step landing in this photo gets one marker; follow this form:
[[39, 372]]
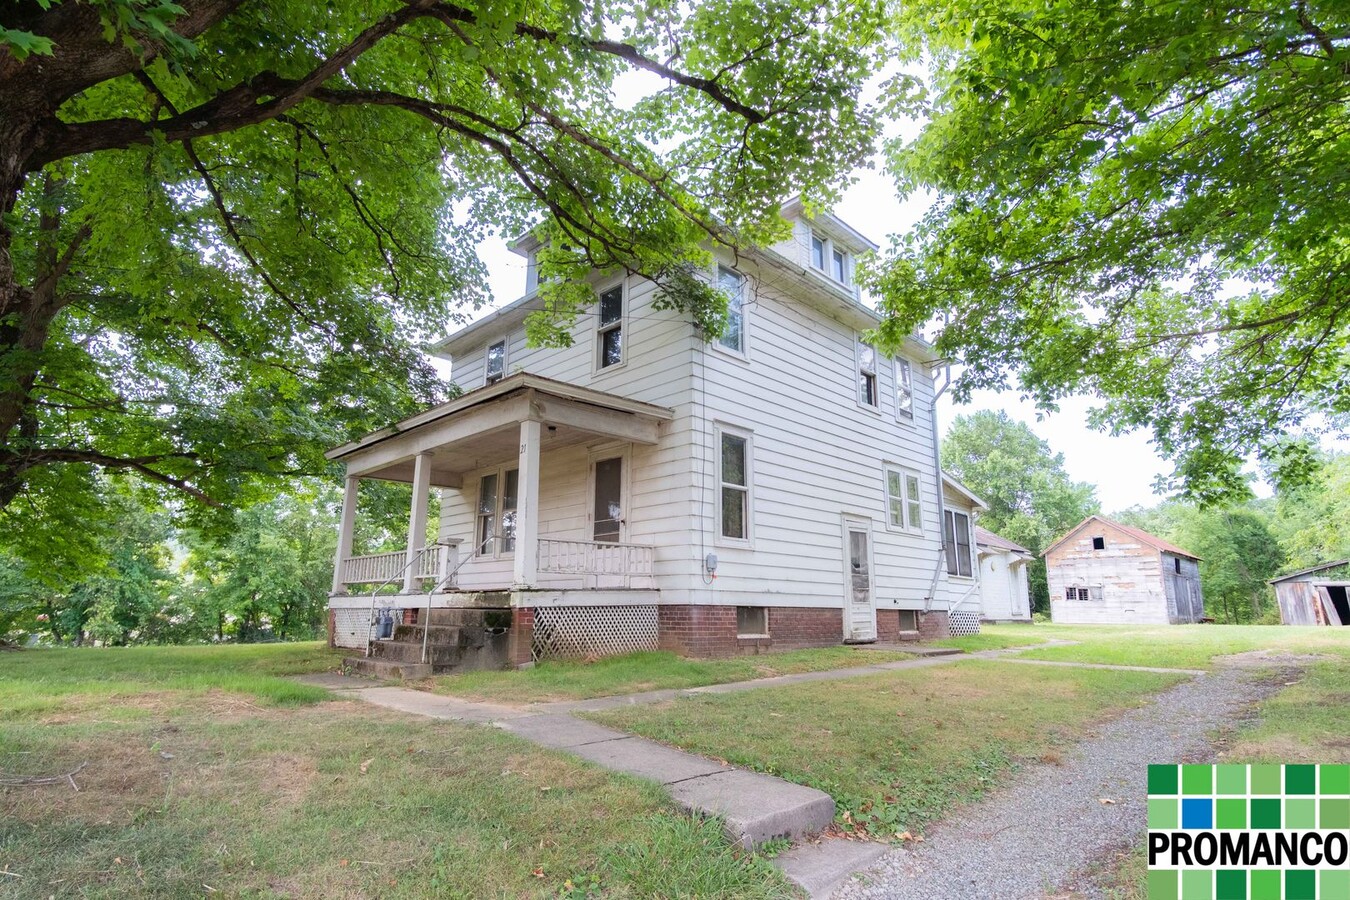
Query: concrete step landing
[[387, 668], [820, 867]]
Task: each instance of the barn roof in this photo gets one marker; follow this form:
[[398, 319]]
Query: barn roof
[[1138, 534], [1301, 572], [986, 538]]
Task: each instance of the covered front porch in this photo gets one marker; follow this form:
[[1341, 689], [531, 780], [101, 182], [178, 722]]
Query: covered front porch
[[535, 480]]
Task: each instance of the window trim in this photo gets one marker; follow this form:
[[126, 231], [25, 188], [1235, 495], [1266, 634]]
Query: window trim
[[956, 545], [487, 360], [903, 364], [1084, 593], [826, 267], [906, 525], [720, 429], [597, 344], [744, 352], [497, 509], [858, 345]]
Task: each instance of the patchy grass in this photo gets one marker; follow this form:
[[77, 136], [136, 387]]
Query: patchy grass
[[195, 789], [34, 680], [637, 672], [1305, 722], [898, 750], [998, 637], [1179, 646]]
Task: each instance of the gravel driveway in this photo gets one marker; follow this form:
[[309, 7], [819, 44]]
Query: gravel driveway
[[1051, 825]]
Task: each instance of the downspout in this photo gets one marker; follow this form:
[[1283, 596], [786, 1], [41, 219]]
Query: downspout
[[941, 507]]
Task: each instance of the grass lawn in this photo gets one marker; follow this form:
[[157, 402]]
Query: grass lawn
[[201, 773], [637, 672], [1180, 646], [898, 750]]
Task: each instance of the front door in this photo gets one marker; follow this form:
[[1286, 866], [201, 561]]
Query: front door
[[607, 510], [860, 618]]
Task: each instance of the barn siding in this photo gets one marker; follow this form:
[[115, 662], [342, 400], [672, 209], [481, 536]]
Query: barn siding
[[1129, 572]]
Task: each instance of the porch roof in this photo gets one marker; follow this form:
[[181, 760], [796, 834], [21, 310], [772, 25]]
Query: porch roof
[[482, 428]]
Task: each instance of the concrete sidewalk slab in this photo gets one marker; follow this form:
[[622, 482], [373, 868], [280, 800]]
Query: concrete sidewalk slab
[[1082, 665], [336, 682], [559, 732], [648, 759], [756, 808], [434, 706], [819, 867]]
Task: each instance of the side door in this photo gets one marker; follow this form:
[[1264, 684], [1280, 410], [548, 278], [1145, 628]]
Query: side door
[[860, 615]]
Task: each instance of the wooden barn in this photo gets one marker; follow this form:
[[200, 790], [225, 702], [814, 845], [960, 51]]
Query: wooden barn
[[1105, 573], [1315, 596]]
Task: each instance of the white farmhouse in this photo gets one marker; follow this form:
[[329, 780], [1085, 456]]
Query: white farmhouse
[[645, 488]]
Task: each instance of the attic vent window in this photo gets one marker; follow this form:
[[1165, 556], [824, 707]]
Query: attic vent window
[[1176, 564], [1099, 543]]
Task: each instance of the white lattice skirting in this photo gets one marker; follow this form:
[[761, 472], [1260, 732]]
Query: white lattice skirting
[[963, 623], [352, 628], [572, 632]]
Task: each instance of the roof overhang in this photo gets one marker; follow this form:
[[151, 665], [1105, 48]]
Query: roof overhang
[[482, 428], [956, 487], [1323, 567]]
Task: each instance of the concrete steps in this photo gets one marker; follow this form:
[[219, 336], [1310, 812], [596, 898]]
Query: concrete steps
[[456, 640], [387, 668]]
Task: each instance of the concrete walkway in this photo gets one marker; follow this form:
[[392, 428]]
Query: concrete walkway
[[755, 808]]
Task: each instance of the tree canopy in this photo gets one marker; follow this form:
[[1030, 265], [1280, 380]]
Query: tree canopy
[[1144, 203], [1032, 500], [226, 228]]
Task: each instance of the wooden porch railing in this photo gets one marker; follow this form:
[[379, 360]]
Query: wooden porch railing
[[433, 563], [599, 559]]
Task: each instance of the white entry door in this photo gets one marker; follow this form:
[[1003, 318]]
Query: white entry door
[[860, 616]]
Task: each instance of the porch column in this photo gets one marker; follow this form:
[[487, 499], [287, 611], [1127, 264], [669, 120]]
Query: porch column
[[346, 527], [527, 508], [417, 520]]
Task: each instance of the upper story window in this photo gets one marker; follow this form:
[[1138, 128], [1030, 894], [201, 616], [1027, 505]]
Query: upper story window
[[1099, 543], [956, 539], [904, 389], [903, 508], [733, 474], [733, 284], [496, 362], [609, 329], [831, 260], [868, 394], [496, 527]]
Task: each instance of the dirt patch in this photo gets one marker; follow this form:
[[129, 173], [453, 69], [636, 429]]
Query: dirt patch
[[1259, 659], [122, 778]]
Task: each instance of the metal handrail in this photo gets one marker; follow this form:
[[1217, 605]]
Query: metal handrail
[[445, 579], [416, 559]]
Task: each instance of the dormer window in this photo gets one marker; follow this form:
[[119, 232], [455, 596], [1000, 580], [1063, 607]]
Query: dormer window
[[496, 362], [829, 259]]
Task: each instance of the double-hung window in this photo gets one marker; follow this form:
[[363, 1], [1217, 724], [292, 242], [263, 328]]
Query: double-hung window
[[956, 539], [903, 507], [496, 362], [818, 252], [830, 259], [496, 528], [733, 474], [904, 389], [609, 330], [868, 394], [839, 267], [732, 284]]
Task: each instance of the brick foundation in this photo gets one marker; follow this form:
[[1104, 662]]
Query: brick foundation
[[522, 636], [710, 631], [934, 626]]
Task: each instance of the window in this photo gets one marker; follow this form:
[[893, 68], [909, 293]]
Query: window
[[1176, 564], [732, 284], [903, 509], [496, 362], [734, 475], [818, 253], [609, 331], [867, 376], [840, 268], [1083, 594], [1099, 543], [956, 540], [752, 621], [497, 508], [909, 619], [904, 389]]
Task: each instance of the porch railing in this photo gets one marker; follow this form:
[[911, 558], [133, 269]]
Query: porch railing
[[433, 563], [602, 560]]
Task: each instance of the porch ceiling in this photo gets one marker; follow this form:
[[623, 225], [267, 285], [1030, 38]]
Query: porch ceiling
[[482, 428]]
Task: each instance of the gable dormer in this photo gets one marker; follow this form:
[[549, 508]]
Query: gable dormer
[[824, 246]]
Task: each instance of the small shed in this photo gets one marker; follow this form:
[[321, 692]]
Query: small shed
[[1003, 578], [1315, 596]]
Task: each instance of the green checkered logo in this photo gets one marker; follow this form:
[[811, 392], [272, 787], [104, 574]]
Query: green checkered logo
[[1260, 832]]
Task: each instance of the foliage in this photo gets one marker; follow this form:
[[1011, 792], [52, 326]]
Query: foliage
[[1032, 501], [1313, 520], [226, 228], [1144, 203]]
